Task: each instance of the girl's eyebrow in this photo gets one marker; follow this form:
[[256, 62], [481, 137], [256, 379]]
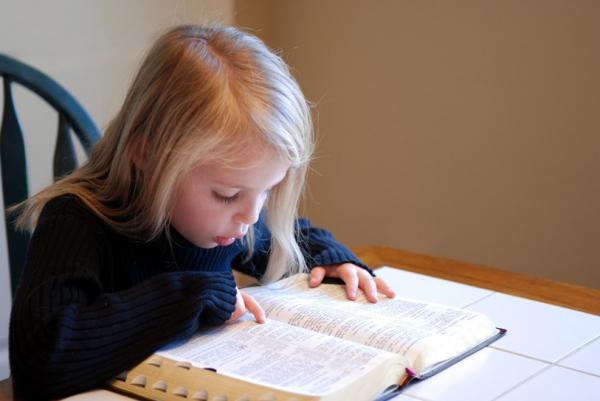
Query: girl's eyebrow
[[231, 185], [243, 187], [239, 187]]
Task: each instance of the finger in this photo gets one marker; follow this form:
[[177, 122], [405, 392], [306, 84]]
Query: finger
[[254, 307], [240, 308], [316, 276], [349, 276], [368, 285], [384, 287]]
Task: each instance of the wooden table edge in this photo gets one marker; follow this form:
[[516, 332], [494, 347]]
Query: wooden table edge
[[6, 390], [558, 293]]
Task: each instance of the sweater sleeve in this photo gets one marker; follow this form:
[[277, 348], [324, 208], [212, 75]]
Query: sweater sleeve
[[322, 249], [67, 334], [319, 247]]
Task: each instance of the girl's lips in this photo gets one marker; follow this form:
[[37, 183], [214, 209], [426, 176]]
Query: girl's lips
[[224, 241]]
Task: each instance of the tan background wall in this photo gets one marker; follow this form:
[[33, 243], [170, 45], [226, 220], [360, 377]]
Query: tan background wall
[[465, 129]]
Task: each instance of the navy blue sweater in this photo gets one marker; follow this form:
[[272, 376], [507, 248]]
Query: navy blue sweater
[[93, 302]]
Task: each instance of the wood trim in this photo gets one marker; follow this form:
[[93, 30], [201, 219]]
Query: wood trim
[[6, 391], [540, 289]]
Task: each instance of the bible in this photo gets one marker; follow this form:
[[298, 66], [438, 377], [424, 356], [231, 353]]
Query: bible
[[315, 345]]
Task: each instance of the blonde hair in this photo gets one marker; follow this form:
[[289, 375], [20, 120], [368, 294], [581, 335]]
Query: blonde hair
[[201, 94]]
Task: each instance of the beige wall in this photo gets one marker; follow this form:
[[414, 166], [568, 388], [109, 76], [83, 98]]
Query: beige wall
[[466, 129], [92, 48]]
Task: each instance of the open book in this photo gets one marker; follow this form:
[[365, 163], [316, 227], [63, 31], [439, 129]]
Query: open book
[[316, 345]]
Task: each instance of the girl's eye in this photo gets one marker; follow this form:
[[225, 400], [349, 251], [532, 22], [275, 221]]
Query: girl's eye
[[224, 199]]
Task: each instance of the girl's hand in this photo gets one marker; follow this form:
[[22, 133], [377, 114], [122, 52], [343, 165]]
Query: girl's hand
[[355, 277], [246, 302]]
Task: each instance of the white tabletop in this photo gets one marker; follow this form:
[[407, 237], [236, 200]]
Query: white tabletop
[[549, 352]]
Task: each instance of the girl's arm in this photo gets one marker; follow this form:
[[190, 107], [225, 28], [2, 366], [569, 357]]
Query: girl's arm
[[68, 334], [322, 249]]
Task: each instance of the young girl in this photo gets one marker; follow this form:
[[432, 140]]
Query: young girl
[[200, 172]]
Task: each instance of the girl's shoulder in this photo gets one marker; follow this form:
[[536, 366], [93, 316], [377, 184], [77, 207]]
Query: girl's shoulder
[[67, 206]]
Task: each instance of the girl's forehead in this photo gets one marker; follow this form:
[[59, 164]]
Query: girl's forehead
[[249, 171]]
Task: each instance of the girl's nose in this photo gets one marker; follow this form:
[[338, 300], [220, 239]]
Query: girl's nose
[[250, 213]]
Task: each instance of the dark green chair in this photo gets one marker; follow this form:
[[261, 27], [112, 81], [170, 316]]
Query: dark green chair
[[12, 150]]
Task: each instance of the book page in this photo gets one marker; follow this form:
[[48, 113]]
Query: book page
[[280, 356], [424, 333]]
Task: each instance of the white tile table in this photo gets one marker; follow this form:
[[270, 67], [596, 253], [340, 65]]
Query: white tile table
[[549, 352]]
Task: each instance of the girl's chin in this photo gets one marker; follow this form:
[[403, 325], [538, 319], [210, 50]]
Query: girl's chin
[[205, 244]]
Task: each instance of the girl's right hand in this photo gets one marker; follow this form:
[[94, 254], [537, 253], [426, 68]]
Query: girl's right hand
[[246, 303]]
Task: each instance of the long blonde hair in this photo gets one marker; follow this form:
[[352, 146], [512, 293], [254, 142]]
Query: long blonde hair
[[201, 94]]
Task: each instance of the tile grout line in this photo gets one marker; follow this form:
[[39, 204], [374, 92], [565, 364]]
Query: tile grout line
[[479, 300], [533, 358], [577, 370], [539, 372], [578, 349], [557, 363], [548, 366], [416, 397]]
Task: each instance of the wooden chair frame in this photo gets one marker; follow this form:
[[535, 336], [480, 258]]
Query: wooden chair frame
[[71, 115]]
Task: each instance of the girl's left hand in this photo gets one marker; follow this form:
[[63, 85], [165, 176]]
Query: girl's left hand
[[355, 277]]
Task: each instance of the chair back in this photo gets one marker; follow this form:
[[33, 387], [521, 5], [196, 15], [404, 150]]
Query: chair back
[[71, 116]]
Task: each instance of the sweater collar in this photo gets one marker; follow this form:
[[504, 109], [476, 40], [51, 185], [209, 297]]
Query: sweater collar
[[181, 254]]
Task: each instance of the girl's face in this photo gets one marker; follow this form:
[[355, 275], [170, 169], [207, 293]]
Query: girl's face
[[217, 204]]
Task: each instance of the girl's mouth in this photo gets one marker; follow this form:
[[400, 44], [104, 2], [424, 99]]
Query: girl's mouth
[[225, 241]]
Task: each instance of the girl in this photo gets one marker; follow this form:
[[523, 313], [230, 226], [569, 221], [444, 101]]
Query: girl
[[200, 172]]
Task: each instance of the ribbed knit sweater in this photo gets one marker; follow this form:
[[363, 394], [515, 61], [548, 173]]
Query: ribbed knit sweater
[[92, 302]]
